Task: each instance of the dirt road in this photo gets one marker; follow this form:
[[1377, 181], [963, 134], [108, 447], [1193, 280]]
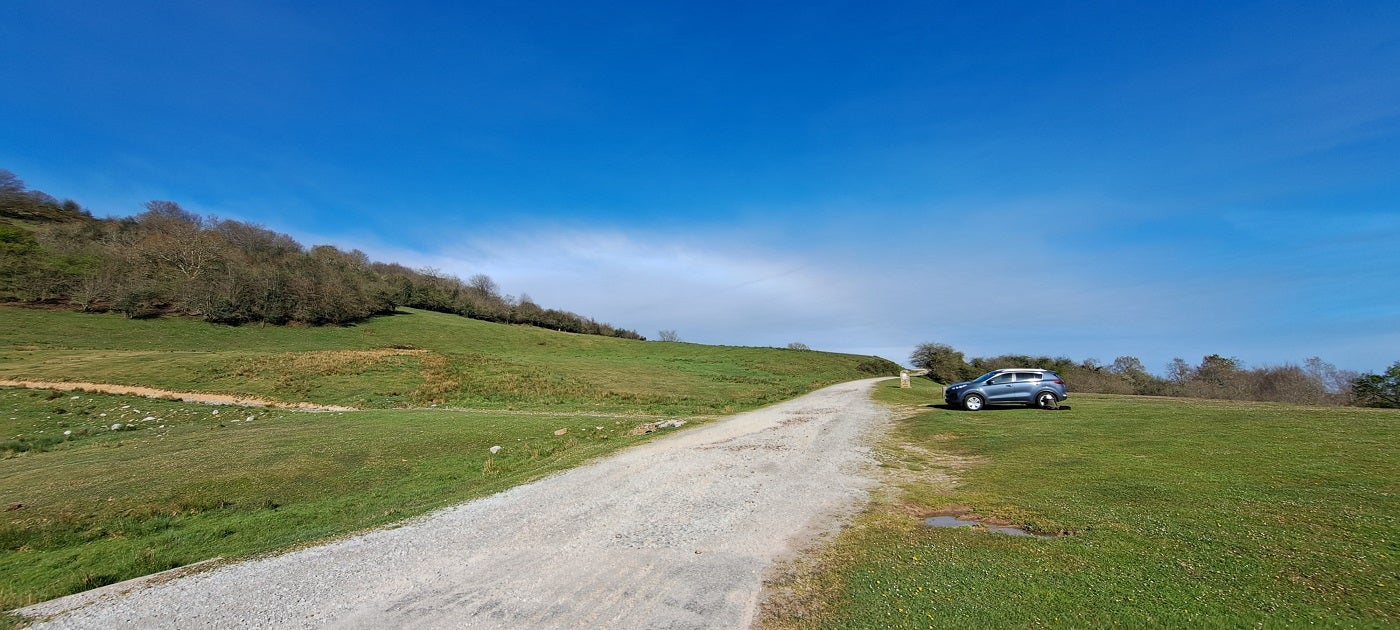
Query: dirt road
[[676, 533], [151, 392]]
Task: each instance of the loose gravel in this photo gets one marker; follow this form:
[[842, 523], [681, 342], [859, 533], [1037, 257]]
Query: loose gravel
[[675, 533]]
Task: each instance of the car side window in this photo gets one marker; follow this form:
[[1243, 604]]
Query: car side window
[[1027, 376]]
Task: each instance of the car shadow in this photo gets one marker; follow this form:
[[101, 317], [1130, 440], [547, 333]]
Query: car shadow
[[993, 408]]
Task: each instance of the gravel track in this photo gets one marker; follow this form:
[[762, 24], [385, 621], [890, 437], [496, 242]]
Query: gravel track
[[675, 533]]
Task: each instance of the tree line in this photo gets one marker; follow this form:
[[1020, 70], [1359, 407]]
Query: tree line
[[1315, 382], [167, 260]]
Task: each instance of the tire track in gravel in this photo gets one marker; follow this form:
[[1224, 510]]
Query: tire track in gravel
[[675, 533]]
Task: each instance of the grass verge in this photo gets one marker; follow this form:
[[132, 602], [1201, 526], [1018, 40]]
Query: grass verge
[[1175, 513]]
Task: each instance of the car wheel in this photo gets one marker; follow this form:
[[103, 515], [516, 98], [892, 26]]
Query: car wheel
[[973, 402], [1047, 400]]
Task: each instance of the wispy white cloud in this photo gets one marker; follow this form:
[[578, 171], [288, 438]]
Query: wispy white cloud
[[860, 296], [736, 294], [882, 286]]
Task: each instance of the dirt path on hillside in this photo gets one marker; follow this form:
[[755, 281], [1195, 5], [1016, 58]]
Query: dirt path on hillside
[[675, 533], [150, 392], [247, 401]]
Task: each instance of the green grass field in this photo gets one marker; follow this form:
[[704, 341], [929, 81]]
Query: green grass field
[[178, 483], [414, 360], [1181, 513]]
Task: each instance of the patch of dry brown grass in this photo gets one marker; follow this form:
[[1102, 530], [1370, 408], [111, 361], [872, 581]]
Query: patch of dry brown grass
[[322, 363], [439, 379]]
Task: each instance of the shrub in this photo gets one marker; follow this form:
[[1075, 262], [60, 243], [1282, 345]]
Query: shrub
[[1378, 390]]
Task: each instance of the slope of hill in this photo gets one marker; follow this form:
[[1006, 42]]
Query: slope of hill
[[417, 358]]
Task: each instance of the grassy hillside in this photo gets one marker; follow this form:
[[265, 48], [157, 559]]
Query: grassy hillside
[[1179, 513], [415, 359], [103, 488]]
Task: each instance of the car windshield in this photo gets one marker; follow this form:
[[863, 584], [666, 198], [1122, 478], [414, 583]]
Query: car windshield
[[985, 376]]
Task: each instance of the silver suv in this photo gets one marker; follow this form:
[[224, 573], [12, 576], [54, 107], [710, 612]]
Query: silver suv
[[1014, 386]]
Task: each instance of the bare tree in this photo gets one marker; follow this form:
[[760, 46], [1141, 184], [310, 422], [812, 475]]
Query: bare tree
[[1179, 371], [1127, 366], [257, 244], [176, 239], [484, 286], [668, 335], [10, 183], [1333, 380]]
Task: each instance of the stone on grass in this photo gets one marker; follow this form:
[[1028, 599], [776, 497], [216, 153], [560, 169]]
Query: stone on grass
[[495, 449]]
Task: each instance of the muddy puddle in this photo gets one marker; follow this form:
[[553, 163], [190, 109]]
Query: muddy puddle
[[953, 521]]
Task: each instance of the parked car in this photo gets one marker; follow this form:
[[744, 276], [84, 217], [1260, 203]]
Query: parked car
[[1015, 386]]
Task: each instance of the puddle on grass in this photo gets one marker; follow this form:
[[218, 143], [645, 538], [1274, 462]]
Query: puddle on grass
[[953, 521]]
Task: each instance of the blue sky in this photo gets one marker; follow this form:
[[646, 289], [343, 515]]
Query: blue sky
[[1085, 179]]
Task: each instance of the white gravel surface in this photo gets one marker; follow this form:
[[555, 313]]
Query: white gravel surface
[[675, 533]]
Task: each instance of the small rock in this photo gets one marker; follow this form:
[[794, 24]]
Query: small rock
[[495, 449], [148, 418], [117, 426], [248, 419], [68, 433], [561, 431], [215, 413]]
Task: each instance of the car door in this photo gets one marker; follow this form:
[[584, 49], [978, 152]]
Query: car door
[[1001, 388], [1023, 391]]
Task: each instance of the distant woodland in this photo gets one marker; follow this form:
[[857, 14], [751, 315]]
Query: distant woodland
[[167, 260]]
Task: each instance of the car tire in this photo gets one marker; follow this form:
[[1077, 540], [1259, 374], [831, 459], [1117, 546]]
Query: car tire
[[974, 402], [1047, 400]]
